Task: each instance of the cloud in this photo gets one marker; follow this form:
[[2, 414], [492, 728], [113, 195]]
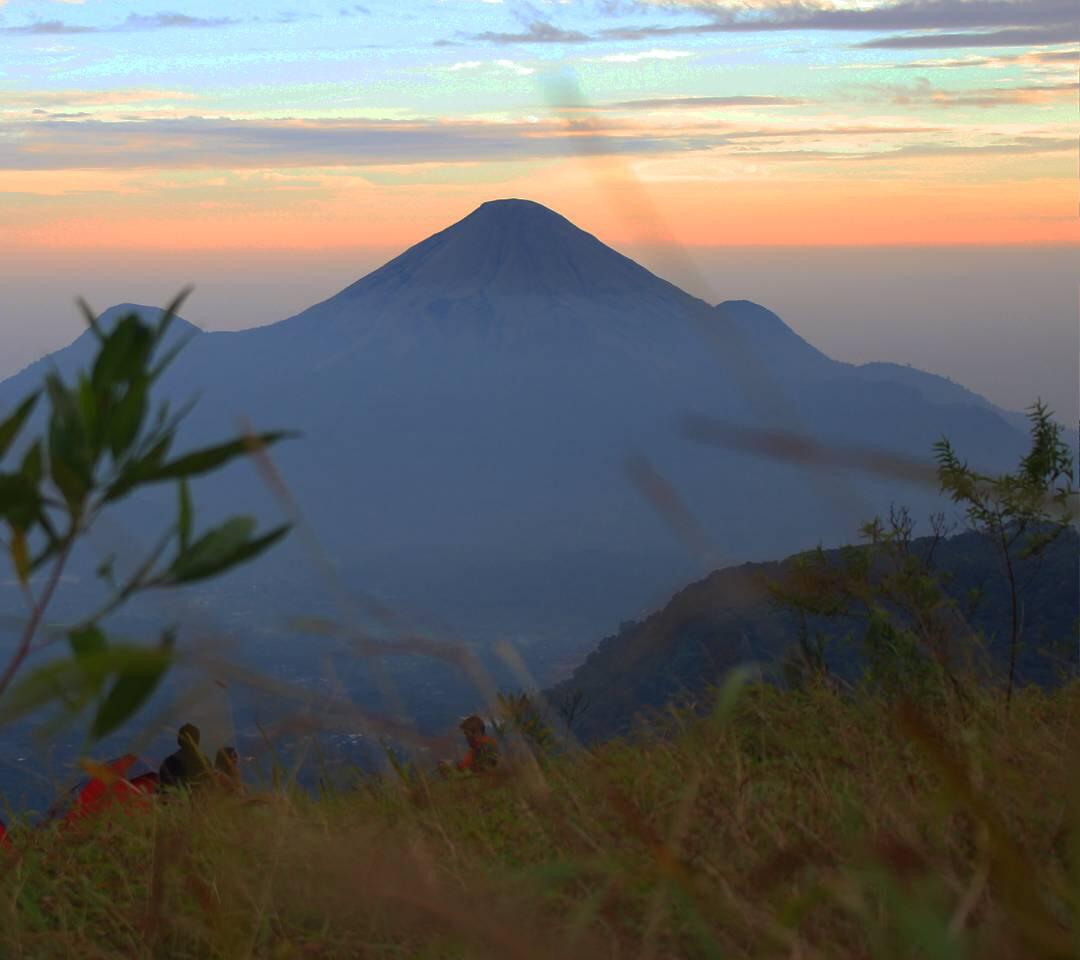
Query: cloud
[[1018, 37], [1019, 146], [643, 55], [217, 143], [535, 31], [66, 98], [134, 22], [1054, 17], [677, 103], [163, 21], [925, 95], [48, 28], [49, 143], [517, 69], [1033, 58], [851, 130]]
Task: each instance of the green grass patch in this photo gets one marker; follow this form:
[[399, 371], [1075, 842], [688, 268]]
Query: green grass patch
[[790, 824]]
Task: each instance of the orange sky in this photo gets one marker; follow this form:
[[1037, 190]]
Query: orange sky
[[818, 123], [312, 209]]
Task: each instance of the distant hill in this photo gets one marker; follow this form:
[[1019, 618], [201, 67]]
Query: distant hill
[[467, 414], [728, 619], [78, 354]]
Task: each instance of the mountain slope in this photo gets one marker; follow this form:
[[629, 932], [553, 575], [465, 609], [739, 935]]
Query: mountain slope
[[79, 354], [468, 411], [729, 618]]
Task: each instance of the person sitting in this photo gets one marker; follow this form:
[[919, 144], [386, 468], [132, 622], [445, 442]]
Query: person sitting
[[483, 755], [227, 769], [188, 766]]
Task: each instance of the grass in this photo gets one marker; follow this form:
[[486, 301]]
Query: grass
[[781, 824]]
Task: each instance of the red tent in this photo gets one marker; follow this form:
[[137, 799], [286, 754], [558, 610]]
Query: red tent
[[111, 785]]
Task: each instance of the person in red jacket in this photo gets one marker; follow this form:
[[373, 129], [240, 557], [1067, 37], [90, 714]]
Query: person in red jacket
[[483, 755]]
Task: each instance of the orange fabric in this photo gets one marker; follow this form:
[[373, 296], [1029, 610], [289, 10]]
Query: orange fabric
[[469, 763], [97, 794]]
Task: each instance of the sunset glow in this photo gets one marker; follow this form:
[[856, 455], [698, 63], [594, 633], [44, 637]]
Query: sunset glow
[[230, 127]]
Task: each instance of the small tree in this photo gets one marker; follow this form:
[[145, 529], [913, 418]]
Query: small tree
[[103, 440], [572, 706], [1020, 513], [903, 621], [521, 714]]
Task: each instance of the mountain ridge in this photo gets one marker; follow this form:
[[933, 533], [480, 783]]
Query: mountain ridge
[[466, 438], [729, 619], [80, 350], [539, 251]]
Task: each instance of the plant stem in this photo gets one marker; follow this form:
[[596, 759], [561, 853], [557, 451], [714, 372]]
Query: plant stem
[[1014, 640], [37, 614]]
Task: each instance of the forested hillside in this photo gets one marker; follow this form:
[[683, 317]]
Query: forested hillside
[[732, 617]]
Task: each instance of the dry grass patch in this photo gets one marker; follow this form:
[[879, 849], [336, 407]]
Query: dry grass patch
[[803, 825]]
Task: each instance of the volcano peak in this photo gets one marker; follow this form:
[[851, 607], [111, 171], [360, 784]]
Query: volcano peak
[[512, 247], [517, 212]]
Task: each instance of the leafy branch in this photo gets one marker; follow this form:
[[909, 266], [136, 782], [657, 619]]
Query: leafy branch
[[103, 439], [1020, 513]]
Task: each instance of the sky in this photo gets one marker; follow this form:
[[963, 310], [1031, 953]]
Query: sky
[[314, 140]]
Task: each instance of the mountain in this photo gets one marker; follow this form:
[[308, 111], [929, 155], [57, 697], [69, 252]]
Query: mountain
[[79, 354], [468, 413], [729, 619]]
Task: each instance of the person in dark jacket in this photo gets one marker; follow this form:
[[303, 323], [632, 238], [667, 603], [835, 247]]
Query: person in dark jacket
[[188, 766]]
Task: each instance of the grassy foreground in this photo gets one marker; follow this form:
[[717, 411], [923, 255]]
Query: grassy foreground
[[796, 825]]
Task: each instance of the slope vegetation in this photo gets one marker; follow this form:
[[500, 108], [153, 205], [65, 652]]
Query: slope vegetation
[[778, 825], [730, 618]]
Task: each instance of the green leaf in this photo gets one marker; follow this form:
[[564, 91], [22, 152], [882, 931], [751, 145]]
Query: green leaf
[[70, 463], [254, 547], [210, 458], [87, 641], [124, 354], [163, 364], [90, 317], [132, 688], [20, 555], [20, 502], [9, 428], [147, 470], [75, 683], [90, 411], [59, 681], [139, 471], [170, 312], [126, 418], [33, 465], [210, 550], [186, 515], [220, 549]]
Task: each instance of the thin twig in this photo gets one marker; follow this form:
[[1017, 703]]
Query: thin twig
[[37, 615]]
